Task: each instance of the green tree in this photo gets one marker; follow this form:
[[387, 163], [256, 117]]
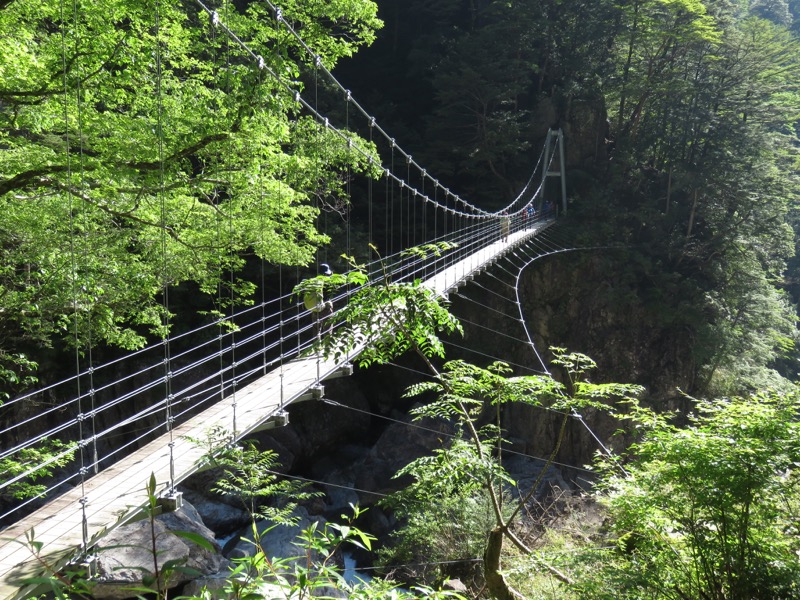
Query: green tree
[[469, 469], [776, 11], [389, 319], [703, 126], [142, 148], [709, 510]]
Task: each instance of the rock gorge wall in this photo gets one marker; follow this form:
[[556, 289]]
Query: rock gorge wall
[[580, 300]]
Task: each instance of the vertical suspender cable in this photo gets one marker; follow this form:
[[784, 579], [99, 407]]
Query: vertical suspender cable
[[444, 218], [297, 305], [281, 259], [170, 419], [349, 200], [424, 218], [387, 197], [316, 316], [74, 264], [221, 331], [230, 250], [262, 265], [424, 233], [262, 262], [349, 187], [435, 218], [280, 286], [391, 204], [402, 228], [411, 238], [231, 299], [370, 182]]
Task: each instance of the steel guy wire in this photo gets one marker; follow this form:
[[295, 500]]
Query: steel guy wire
[[574, 412], [444, 433], [491, 291], [493, 276], [318, 482], [485, 306], [494, 331], [522, 315]]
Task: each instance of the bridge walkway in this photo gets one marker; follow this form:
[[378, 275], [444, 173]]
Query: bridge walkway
[[117, 494]]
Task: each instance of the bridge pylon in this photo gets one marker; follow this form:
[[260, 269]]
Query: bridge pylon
[[555, 142]]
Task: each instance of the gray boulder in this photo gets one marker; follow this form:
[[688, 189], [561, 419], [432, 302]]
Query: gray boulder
[[281, 542], [125, 556]]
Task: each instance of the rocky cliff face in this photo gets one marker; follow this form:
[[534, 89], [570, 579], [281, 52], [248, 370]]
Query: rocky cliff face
[[580, 301]]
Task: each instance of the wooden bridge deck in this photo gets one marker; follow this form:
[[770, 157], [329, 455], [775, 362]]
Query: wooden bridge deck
[[117, 494]]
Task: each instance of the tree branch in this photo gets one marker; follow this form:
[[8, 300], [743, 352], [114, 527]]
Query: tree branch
[[188, 151], [27, 177], [124, 215], [22, 179], [45, 91]]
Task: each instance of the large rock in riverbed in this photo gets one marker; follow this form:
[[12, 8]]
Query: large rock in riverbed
[[125, 556]]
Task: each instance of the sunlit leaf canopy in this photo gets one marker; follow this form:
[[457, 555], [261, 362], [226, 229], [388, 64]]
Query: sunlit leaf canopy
[[142, 147]]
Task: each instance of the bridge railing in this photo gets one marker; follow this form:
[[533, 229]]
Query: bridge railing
[[109, 410]]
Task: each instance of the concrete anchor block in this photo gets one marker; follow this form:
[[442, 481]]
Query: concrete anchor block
[[171, 502]]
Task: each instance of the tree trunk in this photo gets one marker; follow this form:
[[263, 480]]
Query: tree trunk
[[690, 225], [669, 191], [495, 581]]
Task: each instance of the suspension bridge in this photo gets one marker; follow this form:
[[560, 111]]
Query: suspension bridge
[[142, 414], [235, 397]]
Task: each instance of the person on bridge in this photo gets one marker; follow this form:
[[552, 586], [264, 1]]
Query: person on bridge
[[505, 225], [314, 300]]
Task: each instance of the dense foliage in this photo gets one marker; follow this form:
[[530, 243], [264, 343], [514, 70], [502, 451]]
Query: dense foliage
[[141, 147], [704, 127], [681, 125], [709, 510]]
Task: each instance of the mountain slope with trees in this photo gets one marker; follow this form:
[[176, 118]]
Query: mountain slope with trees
[[680, 119]]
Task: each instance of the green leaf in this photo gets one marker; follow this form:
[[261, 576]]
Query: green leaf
[[195, 538]]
